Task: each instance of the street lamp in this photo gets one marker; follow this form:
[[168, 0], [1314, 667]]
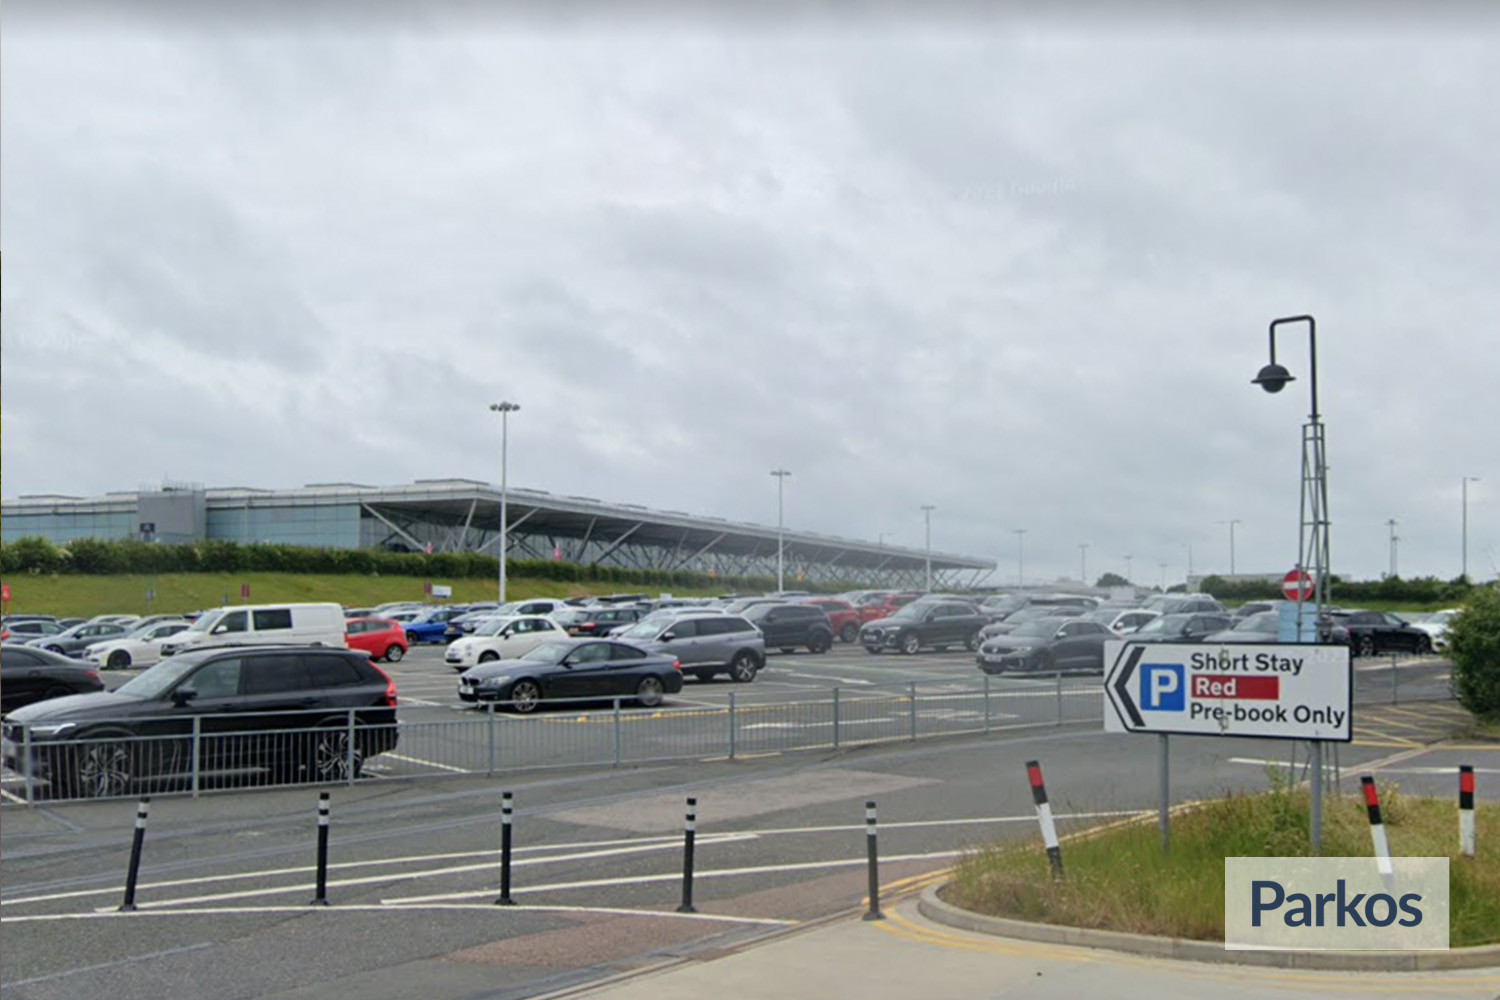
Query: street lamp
[[1163, 568], [1128, 578], [1020, 534], [927, 510], [1313, 524], [780, 475], [1083, 562], [505, 409], [1391, 523], [1231, 540], [1467, 481]]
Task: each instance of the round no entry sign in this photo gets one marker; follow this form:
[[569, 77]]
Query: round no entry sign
[[1297, 585]]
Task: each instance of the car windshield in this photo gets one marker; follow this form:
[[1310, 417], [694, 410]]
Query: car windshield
[[157, 680], [1027, 615], [758, 611], [643, 629], [1265, 621], [491, 626], [205, 621], [1165, 625], [548, 652], [1037, 628], [909, 612]]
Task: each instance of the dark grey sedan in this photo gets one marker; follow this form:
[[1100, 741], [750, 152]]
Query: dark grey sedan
[[80, 637], [1047, 645], [576, 669]]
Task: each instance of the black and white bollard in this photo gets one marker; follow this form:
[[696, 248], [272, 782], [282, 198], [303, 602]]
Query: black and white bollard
[[1467, 837], [689, 833], [1377, 826], [874, 912], [321, 899], [137, 842], [1044, 817], [505, 818]]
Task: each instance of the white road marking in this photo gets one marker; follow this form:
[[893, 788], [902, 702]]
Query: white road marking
[[372, 908], [428, 763], [674, 876], [408, 876], [826, 677], [12, 796], [112, 965], [408, 699]]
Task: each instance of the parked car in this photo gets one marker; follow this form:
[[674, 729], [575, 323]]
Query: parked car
[[381, 638], [127, 620], [1018, 618], [280, 711], [502, 639], [26, 629], [1254, 608], [573, 669], [1181, 604], [350, 613], [599, 622], [789, 626], [320, 624], [430, 625], [1436, 627], [66, 623], [1374, 632], [743, 604], [1265, 627], [1185, 627], [28, 675], [843, 617], [139, 647], [938, 625], [1122, 621], [705, 643], [1047, 644], [79, 637]]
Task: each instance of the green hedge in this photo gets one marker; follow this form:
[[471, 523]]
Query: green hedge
[[1348, 593], [92, 556], [1474, 647]]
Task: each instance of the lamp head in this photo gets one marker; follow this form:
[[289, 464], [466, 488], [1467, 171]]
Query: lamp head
[[1273, 378]]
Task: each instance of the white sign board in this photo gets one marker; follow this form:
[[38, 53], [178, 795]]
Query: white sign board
[[1290, 691], [441, 592]]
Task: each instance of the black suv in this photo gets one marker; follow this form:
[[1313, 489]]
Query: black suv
[[939, 624], [1373, 632], [284, 712], [788, 626]]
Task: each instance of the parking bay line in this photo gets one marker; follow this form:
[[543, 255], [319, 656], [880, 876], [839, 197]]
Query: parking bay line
[[112, 965], [428, 763]]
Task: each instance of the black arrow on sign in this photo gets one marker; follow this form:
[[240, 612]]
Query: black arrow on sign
[[1123, 697]]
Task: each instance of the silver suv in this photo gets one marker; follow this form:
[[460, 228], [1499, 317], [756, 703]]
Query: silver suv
[[705, 644]]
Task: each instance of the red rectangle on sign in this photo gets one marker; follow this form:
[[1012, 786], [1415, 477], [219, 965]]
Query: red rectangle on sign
[[1241, 688]]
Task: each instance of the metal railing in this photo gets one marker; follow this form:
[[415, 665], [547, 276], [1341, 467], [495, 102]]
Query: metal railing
[[232, 752]]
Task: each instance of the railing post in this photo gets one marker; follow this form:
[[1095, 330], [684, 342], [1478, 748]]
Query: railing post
[[490, 738], [26, 762], [349, 749], [619, 736], [986, 702], [196, 750], [137, 841], [1058, 677], [732, 726], [913, 713], [835, 718]]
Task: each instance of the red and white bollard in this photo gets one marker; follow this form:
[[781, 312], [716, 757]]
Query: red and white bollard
[[1044, 817], [1377, 826], [1467, 838]]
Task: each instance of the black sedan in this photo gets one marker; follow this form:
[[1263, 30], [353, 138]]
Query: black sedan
[[577, 669], [1374, 632], [1047, 644], [28, 674]]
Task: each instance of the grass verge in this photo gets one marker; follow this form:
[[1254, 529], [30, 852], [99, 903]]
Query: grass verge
[[1119, 880], [69, 595]]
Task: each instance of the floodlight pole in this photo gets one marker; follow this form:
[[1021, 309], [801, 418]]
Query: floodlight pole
[[505, 409], [927, 510], [1020, 534], [780, 475], [1083, 563]]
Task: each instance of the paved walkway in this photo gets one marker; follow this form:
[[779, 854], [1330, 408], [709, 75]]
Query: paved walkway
[[907, 957]]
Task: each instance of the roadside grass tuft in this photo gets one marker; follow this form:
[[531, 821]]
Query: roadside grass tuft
[[1119, 879]]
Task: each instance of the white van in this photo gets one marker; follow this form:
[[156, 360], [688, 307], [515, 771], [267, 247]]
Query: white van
[[254, 624]]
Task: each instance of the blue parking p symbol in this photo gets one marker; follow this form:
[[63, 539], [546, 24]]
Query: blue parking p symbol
[[1162, 689]]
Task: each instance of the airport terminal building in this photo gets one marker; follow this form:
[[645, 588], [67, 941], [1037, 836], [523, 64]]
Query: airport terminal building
[[463, 515]]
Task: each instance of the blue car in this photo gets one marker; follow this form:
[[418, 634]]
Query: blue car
[[430, 625]]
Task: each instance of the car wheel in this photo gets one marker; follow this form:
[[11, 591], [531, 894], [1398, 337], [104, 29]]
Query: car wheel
[[56, 649], [849, 634], [820, 643], [525, 696], [331, 760], [118, 660], [393, 653], [488, 656], [1044, 664], [742, 668], [1366, 645], [649, 692], [103, 767], [1424, 645], [972, 642], [910, 643]]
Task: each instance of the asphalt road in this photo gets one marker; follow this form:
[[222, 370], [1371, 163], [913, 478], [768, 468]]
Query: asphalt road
[[227, 877]]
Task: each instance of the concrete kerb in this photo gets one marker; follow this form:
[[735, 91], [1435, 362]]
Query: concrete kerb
[[932, 906]]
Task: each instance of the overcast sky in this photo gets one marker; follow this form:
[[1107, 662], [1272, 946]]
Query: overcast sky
[[1019, 270]]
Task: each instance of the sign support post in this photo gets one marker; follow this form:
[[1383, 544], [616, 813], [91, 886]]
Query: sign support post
[[1166, 793], [1317, 798]]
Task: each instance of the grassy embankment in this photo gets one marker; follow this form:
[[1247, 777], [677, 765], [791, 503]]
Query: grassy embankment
[[1119, 879], [85, 596]]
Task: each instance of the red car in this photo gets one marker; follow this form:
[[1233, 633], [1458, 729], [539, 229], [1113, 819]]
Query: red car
[[379, 638], [843, 616], [884, 607]]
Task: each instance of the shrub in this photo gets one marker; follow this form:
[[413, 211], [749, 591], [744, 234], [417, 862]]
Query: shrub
[[1474, 648]]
